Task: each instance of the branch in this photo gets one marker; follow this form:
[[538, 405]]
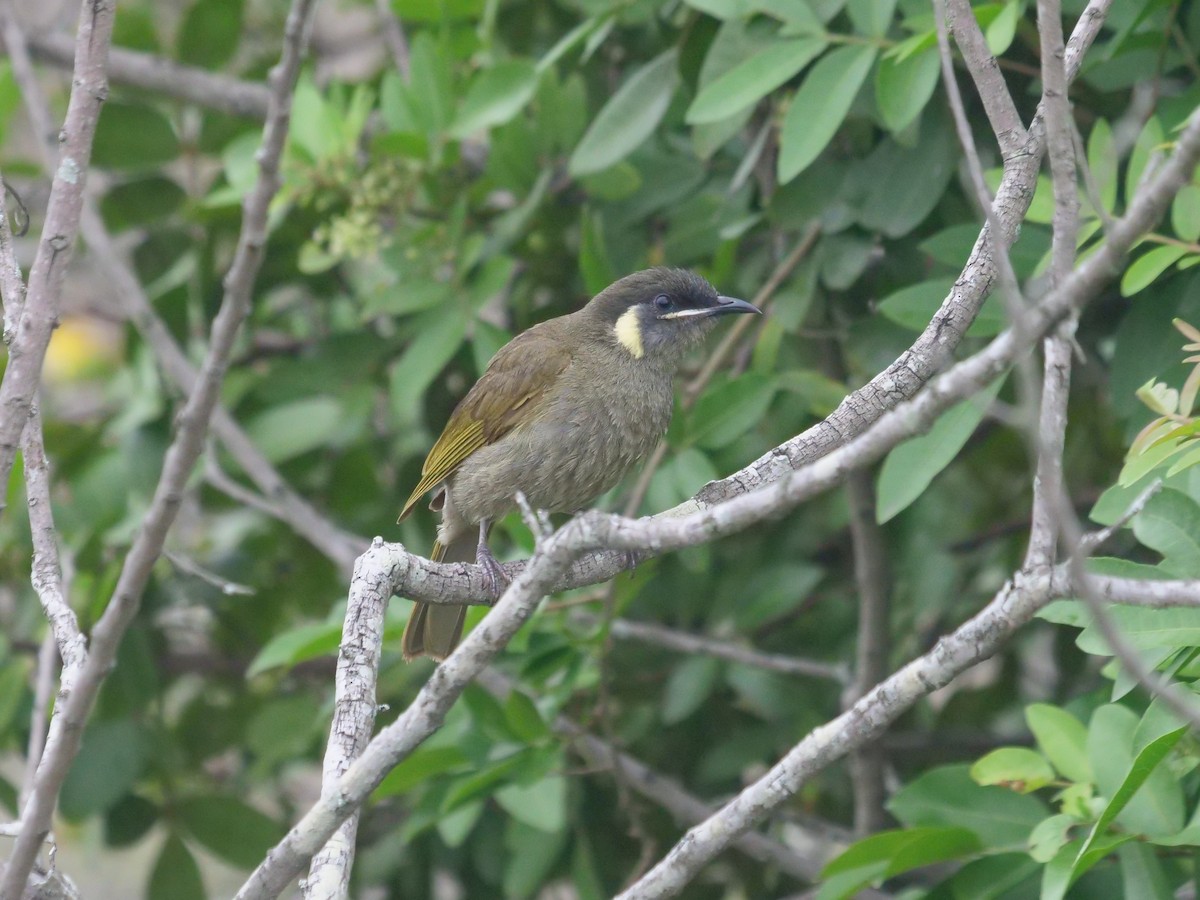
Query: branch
[[683, 642], [67, 725], [873, 643], [163, 76], [39, 316], [684, 806], [978, 638], [985, 72], [393, 36]]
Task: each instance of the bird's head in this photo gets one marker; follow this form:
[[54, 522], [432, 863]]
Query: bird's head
[[659, 314]]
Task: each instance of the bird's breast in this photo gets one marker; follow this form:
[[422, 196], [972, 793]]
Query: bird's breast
[[595, 426]]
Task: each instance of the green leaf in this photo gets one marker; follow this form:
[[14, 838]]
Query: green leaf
[[13, 691], [496, 96], [1149, 145], [233, 830], [749, 82], [691, 683], [421, 765], [1062, 737], [911, 466], [1185, 213], [1049, 836], [529, 856], [133, 136], [295, 645], [1170, 524], [542, 804], [1102, 161], [141, 201], [210, 32], [1142, 873], [1016, 768], [727, 411], [947, 796], [523, 718], [903, 87], [112, 758], [915, 306], [439, 334], [1147, 267], [286, 431], [628, 118], [820, 105], [891, 853], [1003, 29], [871, 17], [176, 875]]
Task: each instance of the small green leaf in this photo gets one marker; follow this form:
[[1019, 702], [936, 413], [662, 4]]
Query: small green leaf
[[1049, 836], [209, 34], [891, 853], [1149, 145], [1017, 768], [690, 685], [1003, 29], [820, 105], [1170, 524], [111, 760], [421, 765], [1185, 213], [1102, 161], [1062, 737], [910, 467], [286, 431], [543, 804], [1147, 267], [747, 83], [295, 645], [176, 875], [903, 87], [915, 306], [523, 718], [628, 118], [496, 96]]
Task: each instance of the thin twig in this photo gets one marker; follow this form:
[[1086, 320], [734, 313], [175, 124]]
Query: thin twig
[[993, 91], [67, 724]]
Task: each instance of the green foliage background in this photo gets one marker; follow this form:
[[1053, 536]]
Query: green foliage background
[[538, 151]]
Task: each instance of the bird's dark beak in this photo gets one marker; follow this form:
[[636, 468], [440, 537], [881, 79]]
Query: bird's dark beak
[[727, 305]]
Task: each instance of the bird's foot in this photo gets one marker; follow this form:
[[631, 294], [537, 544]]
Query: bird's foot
[[632, 558], [494, 575]]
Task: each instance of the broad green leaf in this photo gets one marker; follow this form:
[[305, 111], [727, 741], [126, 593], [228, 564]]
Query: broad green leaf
[[230, 828], [1062, 737], [1146, 268], [13, 679], [523, 718], [1170, 524], [891, 853], [1185, 212], [542, 804], [1016, 768], [175, 875], [1149, 145], [628, 118], [439, 334], [1102, 161], [130, 136], [690, 685], [421, 765], [112, 757], [496, 96], [993, 876], [753, 79], [1142, 873], [871, 17], [1050, 835], [947, 796], [286, 431], [283, 728], [455, 826], [910, 467], [727, 411], [903, 87], [819, 106], [1003, 29], [915, 306], [529, 855], [296, 645], [209, 34]]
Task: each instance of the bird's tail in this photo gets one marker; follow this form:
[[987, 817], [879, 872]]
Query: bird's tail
[[434, 629]]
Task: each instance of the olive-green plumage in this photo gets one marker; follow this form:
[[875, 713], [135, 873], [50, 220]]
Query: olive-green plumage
[[562, 413]]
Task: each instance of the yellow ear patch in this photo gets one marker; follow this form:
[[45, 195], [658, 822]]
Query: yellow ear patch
[[629, 332]]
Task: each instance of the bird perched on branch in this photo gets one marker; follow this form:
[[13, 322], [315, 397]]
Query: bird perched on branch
[[562, 413]]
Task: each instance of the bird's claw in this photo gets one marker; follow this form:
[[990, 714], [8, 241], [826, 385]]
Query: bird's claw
[[494, 575]]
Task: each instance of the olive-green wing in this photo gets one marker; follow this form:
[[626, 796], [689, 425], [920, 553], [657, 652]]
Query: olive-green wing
[[518, 376]]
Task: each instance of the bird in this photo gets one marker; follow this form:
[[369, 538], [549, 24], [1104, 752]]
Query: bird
[[561, 413]]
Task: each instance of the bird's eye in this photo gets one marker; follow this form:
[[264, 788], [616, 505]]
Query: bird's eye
[[662, 302]]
